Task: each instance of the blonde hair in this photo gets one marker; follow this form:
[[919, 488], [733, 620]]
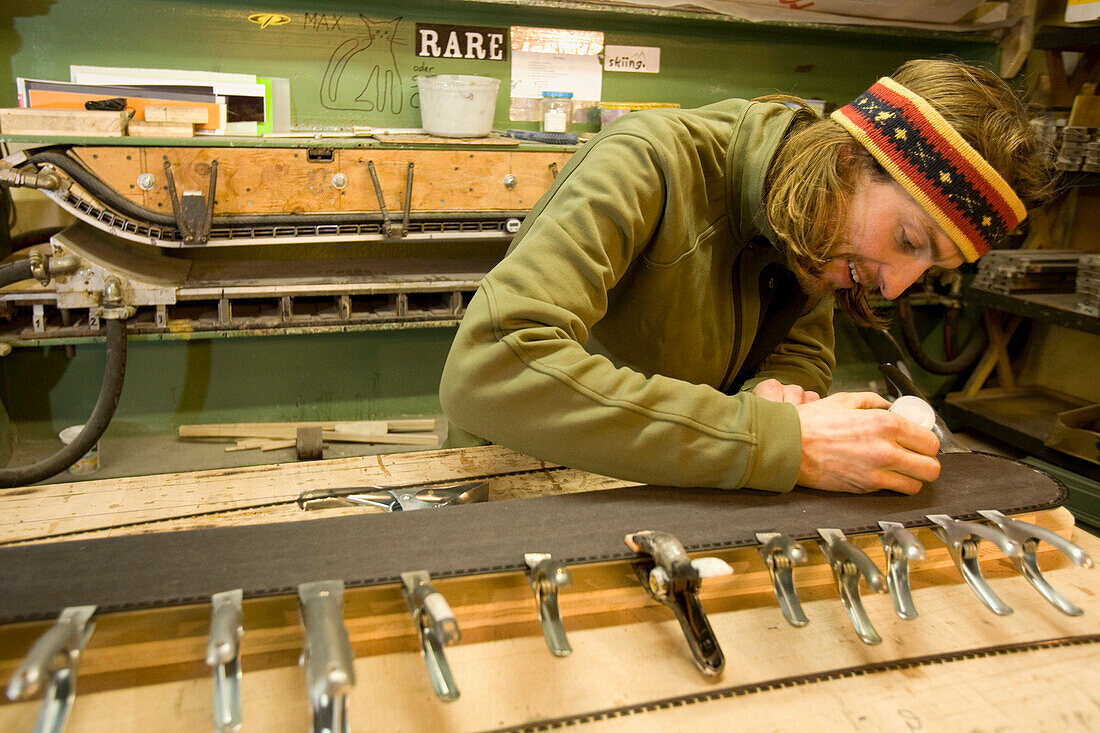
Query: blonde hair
[[818, 166]]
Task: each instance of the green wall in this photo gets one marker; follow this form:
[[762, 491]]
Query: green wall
[[371, 374], [702, 61]]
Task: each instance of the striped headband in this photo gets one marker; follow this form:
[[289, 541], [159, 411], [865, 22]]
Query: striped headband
[[932, 162]]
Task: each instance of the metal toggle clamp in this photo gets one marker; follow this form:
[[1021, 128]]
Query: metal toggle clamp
[[436, 626], [672, 578], [546, 575], [1029, 536], [962, 540], [52, 661], [781, 554], [848, 562], [900, 546], [223, 654], [328, 659]]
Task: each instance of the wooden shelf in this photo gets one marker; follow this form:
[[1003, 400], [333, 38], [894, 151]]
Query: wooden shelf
[[1022, 418], [1056, 308]]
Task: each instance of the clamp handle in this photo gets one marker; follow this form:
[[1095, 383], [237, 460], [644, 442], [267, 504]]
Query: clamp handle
[[546, 575], [52, 662], [1028, 536], [781, 554], [962, 540], [900, 547], [328, 658], [223, 654], [848, 563], [670, 577], [436, 626]]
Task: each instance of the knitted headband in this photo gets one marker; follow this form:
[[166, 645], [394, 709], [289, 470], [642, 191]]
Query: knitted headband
[[932, 162]]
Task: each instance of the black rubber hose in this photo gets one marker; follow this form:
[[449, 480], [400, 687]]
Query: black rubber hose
[[13, 272], [113, 375], [125, 206], [966, 358]]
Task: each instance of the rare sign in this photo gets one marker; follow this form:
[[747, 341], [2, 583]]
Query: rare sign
[[461, 42]]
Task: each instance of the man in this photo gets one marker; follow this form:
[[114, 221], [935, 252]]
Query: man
[[665, 312]]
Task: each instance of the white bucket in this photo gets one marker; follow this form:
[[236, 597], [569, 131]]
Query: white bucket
[[456, 105], [89, 462]]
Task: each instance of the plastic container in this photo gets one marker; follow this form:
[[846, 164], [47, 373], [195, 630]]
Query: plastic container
[[456, 105], [89, 462], [915, 410], [557, 109]]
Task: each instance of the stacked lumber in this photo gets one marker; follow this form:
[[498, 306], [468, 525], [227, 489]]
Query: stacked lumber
[[1088, 284], [1016, 271], [276, 435]]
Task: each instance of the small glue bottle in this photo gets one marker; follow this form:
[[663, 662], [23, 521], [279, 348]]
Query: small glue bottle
[[557, 108], [915, 410]]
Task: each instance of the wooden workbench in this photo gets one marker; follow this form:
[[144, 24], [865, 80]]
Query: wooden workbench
[[630, 668]]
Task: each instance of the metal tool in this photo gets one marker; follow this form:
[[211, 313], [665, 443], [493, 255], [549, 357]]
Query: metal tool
[[900, 546], [397, 499], [223, 654], [390, 228], [52, 661], [1029, 536], [194, 212], [436, 626], [962, 540], [781, 554], [672, 578], [848, 563], [327, 657], [546, 575]]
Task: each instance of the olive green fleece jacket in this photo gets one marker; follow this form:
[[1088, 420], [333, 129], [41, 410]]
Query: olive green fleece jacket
[[643, 242]]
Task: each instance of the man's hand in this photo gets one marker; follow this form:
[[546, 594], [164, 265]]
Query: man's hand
[[851, 443], [776, 391]]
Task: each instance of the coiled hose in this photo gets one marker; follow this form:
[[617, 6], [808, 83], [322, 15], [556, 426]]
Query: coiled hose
[[966, 358], [109, 392]]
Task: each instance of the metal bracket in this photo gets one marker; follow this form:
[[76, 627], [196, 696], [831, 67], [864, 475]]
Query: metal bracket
[[223, 654], [390, 228], [848, 563], [962, 540], [546, 575], [674, 579], [194, 212], [1029, 536], [52, 661], [327, 657], [781, 554], [397, 499], [436, 626], [900, 546]]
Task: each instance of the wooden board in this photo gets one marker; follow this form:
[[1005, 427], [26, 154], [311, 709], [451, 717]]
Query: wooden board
[[625, 660], [90, 505], [87, 123], [141, 128], [268, 181]]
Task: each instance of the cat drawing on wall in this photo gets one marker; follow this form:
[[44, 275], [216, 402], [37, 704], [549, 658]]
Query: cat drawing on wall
[[362, 71]]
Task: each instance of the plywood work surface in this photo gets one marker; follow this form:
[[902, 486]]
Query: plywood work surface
[[191, 499], [619, 674]]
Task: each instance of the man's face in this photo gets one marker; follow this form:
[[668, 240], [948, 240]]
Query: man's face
[[889, 242]]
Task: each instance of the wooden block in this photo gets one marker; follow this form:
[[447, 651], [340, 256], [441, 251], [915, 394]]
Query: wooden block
[[46, 121], [143, 128], [173, 113], [1085, 112]]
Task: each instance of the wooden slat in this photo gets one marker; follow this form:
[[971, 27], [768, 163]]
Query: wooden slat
[[46, 121], [269, 181], [632, 655], [52, 508]]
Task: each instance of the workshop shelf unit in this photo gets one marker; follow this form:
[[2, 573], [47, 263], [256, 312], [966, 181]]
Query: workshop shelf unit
[[1023, 416]]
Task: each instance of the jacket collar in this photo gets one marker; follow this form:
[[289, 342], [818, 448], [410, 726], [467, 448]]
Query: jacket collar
[[759, 132]]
